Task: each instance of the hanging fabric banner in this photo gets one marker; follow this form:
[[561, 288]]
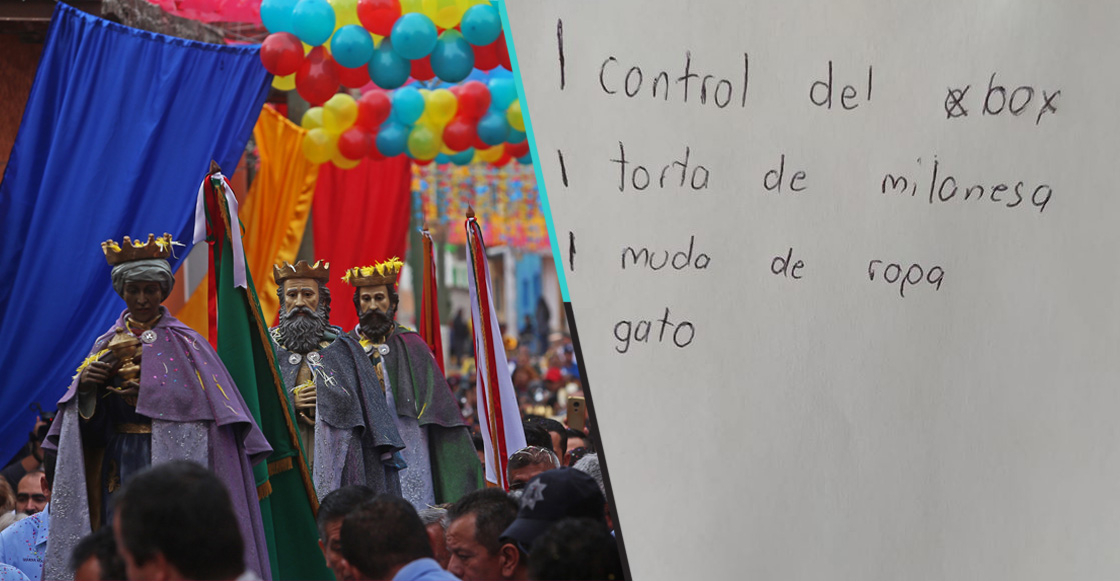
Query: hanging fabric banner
[[360, 217], [103, 151]]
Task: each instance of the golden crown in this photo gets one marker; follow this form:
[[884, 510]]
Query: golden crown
[[320, 271], [129, 250], [382, 273]]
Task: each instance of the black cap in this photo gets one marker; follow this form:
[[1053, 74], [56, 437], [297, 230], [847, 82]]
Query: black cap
[[551, 496]]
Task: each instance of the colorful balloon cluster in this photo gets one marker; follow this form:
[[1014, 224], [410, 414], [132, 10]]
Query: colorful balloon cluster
[[465, 123], [316, 45]]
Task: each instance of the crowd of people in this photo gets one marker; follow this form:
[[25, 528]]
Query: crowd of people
[[153, 478]]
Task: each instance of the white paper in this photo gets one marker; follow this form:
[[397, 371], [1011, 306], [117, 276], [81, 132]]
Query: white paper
[[829, 427]]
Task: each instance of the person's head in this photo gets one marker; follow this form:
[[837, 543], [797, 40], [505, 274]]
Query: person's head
[[141, 274], [305, 304], [477, 521], [575, 549], [536, 435], [550, 497], [175, 521], [332, 510], [589, 464], [382, 536], [95, 558], [435, 523], [33, 493], [527, 462], [558, 434], [375, 296], [7, 497]]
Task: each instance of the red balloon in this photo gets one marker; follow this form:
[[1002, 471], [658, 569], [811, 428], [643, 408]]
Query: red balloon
[[459, 134], [373, 109], [503, 160], [474, 100], [379, 16], [422, 69], [422, 161], [518, 149], [486, 58], [503, 52], [281, 53], [374, 154], [354, 143], [353, 78], [317, 79]]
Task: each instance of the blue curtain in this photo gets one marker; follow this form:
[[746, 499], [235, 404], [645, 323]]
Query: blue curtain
[[117, 135]]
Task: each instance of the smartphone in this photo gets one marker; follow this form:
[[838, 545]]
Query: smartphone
[[577, 413]]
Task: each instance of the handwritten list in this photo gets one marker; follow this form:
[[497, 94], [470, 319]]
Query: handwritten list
[[846, 277]]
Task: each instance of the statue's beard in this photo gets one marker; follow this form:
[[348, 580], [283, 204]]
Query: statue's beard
[[376, 325], [301, 329]]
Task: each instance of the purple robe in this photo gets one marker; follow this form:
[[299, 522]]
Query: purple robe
[[197, 414]]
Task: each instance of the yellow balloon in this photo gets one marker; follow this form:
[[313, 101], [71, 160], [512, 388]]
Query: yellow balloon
[[307, 48], [445, 13], [312, 119], [319, 146], [377, 38], [513, 115], [441, 107], [412, 6], [423, 143], [345, 12], [342, 162], [339, 113], [284, 83], [491, 154]]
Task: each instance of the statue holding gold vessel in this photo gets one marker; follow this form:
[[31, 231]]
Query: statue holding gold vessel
[[152, 390]]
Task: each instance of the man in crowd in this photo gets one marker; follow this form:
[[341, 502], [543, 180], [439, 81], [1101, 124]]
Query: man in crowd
[[575, 549], [31, 497], [24, 544], [579, 443], [549, 497], [95, 558], [435, 523], [385, 540], [348, 432], [477, 522], [439, 453], [536, 435], [152, 390], [528, 462], [175, 521], [332, 510], [556, 432]]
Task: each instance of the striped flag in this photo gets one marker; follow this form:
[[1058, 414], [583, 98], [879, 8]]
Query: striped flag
[[498, 414], [429, 309]]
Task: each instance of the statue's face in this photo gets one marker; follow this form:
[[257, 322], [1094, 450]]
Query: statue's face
[[142, 299], [301, 292], [374, 297]]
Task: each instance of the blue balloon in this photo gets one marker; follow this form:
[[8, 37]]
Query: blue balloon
[[386, 68], [277, 15], [443, 158], [453, 57], [392, 139], [352, 46], [493, 128], [481, 24], [313, 21], [526, 159], [408, 105], [515, 136], [463, 157], [503, 92], [414, 36]]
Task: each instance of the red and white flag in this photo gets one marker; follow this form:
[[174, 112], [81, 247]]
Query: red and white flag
[[498, 414], [429, 308]]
